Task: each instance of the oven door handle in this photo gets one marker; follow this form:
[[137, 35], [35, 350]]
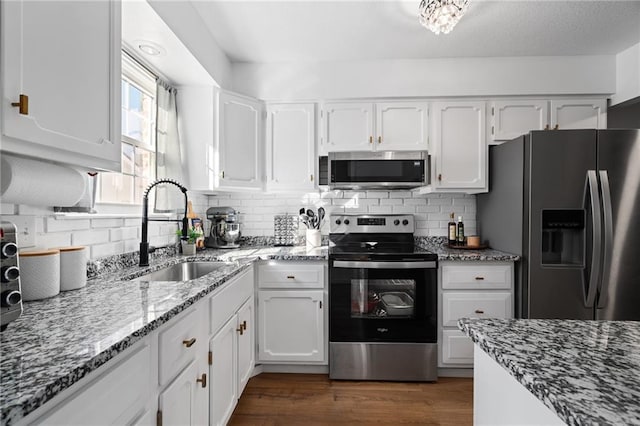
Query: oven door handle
[[383, 265]]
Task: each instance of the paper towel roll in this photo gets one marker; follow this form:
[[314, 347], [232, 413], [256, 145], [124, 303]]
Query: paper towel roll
[[36, 183]]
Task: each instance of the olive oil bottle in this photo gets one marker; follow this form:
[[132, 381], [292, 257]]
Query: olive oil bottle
[[453, 232], [460, 233]]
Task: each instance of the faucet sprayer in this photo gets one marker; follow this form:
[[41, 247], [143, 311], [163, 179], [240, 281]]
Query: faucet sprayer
[[144, 243]]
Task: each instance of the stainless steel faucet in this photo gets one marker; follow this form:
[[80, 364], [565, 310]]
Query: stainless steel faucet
[[144, 244]]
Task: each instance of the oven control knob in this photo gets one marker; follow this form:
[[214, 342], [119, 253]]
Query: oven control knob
[[338, 221], [405, 222], [396, 222], [9, 250], [9, 273], [346, 221], [10, 298]]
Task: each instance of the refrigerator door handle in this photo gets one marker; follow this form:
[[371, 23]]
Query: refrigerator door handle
[[591, 200], [608, 238]]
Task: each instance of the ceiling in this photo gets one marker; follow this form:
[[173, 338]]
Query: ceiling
[[319, 30]]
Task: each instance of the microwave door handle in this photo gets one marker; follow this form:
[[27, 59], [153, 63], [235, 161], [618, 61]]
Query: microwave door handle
[[591, 200], [607, 216], [383, 265]]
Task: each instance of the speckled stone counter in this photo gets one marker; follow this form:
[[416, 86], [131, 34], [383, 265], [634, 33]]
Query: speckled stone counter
[[587, 372], [58, 341], [438, 245]]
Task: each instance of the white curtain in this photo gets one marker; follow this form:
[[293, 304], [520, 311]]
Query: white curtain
[[169, 156]]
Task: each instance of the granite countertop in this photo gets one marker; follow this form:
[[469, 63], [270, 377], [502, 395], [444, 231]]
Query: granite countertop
[[58, 341], [584, 371], [438, 245]]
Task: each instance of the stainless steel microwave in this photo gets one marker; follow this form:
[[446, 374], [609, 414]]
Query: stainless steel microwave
[[382, 169]]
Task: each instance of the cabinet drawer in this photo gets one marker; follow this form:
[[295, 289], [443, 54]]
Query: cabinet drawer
[[178, 346], [293, 275], [476, 276], [456, 305], [118, 397], [456, 348], [223, 305]]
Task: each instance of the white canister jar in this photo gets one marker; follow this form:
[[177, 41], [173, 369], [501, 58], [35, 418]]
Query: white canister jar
[[39, 274], [73, 267], [314, 239]]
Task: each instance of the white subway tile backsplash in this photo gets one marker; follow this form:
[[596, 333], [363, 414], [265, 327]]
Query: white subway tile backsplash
[[404, 209], [391, 201], [381, 209], [102, 250], [429, 209], [7, 209], [54, 225], [400, 194], [106, 223], [415, 201], [53, 239], [94, 236], [377, 194]]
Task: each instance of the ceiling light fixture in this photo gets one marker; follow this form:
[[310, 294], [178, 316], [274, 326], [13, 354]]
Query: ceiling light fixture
[[440, 16], [151, 48]]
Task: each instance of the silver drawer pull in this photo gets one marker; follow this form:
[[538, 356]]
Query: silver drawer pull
[[479, 311]]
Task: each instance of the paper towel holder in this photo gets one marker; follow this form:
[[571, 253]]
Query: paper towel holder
[[87, 203]]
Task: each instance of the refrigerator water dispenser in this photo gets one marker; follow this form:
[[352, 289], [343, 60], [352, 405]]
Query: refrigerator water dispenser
[[563, 237]]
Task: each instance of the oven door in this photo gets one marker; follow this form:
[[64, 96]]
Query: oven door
[[383, 301]]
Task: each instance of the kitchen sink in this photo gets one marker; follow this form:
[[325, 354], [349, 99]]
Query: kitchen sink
[[183, 271]]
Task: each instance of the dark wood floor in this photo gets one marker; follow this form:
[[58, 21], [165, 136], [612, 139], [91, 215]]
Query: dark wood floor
[[313, 399]]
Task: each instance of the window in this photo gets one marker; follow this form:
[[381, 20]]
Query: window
[[138, 89]]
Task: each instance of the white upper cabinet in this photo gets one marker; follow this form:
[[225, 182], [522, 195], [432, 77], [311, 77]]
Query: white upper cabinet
[[578, 114], [291, 139], [348, 126], [241, 133], [402, 126], [513, 118], [398, 126], [459, 146], [64, 57]]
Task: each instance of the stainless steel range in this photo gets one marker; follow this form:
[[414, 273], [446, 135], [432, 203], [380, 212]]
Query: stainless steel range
[[382, 291]]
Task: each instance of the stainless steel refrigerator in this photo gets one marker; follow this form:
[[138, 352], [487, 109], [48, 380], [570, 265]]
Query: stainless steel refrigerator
[[568, 202]]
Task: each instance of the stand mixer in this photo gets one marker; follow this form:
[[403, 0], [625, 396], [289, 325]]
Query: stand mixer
[[225, 228]]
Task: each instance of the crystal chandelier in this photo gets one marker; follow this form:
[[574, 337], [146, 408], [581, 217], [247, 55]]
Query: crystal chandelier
[[440, 16]]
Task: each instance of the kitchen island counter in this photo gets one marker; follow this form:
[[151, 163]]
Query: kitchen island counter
[[586, 372], [60, 340]]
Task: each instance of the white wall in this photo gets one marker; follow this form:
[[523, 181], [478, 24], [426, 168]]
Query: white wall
[[187, 24], [105, 236], [627, 75], [433, 77], [431, 211]]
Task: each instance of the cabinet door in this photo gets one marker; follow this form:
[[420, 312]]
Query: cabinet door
[[291, 325], [401, 126], [290, 146], [246, 343], [223, 372], [460, 147], [65, 56], [514, 118], [183, 402], [457, 349], [348, 126], [579, 114], [240, 142], [197, 129], [117, 397]]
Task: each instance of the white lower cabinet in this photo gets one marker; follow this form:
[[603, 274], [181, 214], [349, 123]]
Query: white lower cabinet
[[223, 371], [292, 313], [184, 401], [232, 359], [472, 289], [291, 325], [118, 396]]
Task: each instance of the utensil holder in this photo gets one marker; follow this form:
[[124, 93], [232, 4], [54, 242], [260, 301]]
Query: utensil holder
[[314, 239]]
